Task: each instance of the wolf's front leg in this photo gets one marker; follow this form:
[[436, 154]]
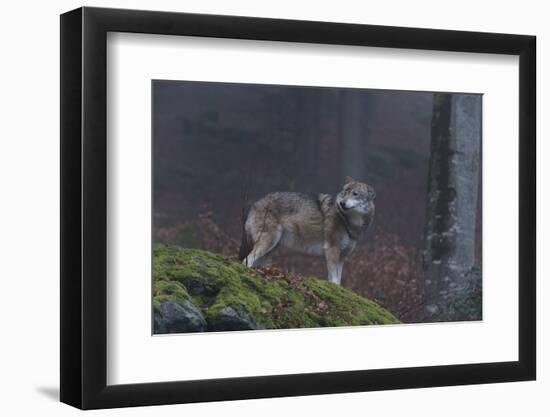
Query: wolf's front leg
[[334, 266]]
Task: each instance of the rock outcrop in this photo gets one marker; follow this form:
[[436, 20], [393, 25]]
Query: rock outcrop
[[196, 291]]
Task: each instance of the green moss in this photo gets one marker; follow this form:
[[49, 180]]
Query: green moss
[[164, 291], [347, 307], [213, 282]]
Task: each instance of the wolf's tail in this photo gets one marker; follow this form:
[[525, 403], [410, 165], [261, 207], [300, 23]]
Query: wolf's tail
[[246, 247]]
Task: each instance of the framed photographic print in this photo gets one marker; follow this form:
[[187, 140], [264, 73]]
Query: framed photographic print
[[258, 207]]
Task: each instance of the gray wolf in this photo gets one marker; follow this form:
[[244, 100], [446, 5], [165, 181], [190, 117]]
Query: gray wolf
[[318, 225]]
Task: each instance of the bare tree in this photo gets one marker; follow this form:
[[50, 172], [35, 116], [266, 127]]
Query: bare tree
[[452, 203], [308, 130], [354, 105]]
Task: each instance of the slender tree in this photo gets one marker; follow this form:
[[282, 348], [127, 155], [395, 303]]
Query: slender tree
[[354, 105], [308, 130], [452, 203]]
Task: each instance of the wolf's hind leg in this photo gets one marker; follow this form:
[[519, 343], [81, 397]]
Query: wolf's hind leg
[[267, 241], [334, 265]]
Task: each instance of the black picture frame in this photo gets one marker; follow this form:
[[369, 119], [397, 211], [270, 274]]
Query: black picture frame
[[84, 207]]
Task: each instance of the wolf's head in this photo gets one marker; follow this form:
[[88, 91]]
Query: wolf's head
[[357, 197]]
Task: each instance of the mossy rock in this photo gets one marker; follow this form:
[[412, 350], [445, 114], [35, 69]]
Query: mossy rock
[[231, 296]]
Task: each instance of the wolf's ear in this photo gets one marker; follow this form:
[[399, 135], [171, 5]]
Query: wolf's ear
[[349, 179]]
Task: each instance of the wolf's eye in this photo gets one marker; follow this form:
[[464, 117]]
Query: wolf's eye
[[355, 193]]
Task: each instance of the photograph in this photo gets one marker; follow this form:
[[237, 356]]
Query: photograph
[[264, 209], [291, 207]]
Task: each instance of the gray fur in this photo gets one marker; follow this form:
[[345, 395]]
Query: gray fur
[[318, 225]]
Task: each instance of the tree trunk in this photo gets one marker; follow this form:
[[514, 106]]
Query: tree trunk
[[307, 134], [353, 133], [452, 202]]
